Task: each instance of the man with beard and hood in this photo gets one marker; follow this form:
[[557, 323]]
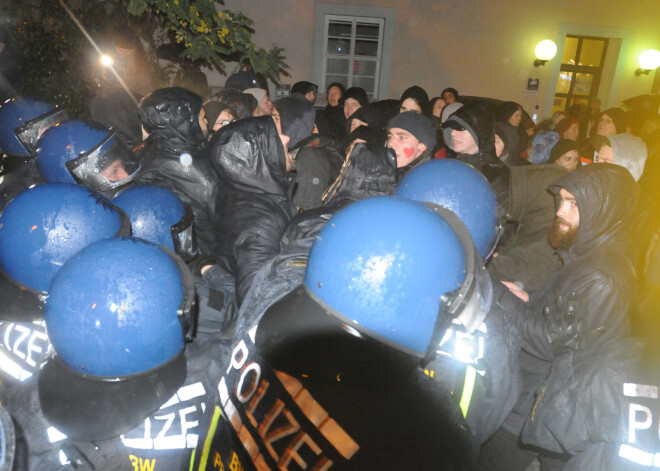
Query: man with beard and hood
[[173, 155], [254, 201], [412, 137], [469, 133], [581, 310], [317, 162]]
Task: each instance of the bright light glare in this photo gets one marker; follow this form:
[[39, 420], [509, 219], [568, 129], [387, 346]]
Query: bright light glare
[[649, 59], [545, 50], [106, 60]]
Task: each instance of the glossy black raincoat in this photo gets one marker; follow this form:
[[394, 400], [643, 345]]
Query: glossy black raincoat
[[254, 202]]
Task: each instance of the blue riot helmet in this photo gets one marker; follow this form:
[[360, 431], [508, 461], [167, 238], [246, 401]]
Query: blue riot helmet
[[386, 279], [398, 271], [117, 316], [40, 229], [23, 121], [461, 188], [77, 151], [159, 216]]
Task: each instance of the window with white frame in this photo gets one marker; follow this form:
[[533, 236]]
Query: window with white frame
[[352, 52]]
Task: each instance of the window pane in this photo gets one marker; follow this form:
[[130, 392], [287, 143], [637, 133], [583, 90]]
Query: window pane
[[592, 52], [367, 30], [339, 46], [583, 84], [367, 83], [337, 66], [339, 28], [570, 49], [559, 104], [343, 79], [564, 82], [363, 68], [366, 48]]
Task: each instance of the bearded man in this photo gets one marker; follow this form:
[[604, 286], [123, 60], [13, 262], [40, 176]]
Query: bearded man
[[581, 310]]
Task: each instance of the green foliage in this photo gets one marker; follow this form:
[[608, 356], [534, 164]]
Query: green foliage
[[212, 35], [60, 64]]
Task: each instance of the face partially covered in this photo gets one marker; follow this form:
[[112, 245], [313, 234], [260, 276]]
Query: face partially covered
[[463, 142], [605, 155], [606, 126], [406, 146], [290, 162], [567, 222], [410, 104], [351, 105]]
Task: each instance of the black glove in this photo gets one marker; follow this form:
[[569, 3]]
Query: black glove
[[565, 323]]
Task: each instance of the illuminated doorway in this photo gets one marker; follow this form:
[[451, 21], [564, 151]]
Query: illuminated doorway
[[582, 64]]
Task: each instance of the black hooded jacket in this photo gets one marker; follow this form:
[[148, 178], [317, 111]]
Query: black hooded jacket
[[598, 270], [254, 203], [477, 118], [368, 171], [173, 156]]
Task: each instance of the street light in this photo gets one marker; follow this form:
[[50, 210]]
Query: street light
[[545, 51], [649, 60]]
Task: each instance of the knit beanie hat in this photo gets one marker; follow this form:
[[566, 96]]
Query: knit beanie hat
[[560, 148], [339, 85], [630, 152], [303, 88], [297, 115], [257, 93], [241, 80], [618, 117], [506, 110], [500, 131], [416, 124]]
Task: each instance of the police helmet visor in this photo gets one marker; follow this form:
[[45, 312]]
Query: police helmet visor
[[30, 132], [89, 407], [92, 408], [108, 166], [182, 236], [471, 302]]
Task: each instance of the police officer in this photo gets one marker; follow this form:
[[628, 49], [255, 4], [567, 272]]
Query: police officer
[[352, 369], [22, 122]]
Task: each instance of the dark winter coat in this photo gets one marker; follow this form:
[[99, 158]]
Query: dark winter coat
[[173, 156], [331, 123], [368, 171], [598, 270], [318, 163], [528, 257], [254, 203], [478, 119]]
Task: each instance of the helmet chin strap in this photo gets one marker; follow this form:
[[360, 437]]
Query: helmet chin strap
[[467, 303]]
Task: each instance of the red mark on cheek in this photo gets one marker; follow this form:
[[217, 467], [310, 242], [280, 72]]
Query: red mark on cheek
[[408, 152]]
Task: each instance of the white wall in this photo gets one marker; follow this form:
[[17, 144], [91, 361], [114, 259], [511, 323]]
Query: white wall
[[481, 48]]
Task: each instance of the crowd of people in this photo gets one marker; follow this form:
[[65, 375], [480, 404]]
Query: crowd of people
[[230, 282]]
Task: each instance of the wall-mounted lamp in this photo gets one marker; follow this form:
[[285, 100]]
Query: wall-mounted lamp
[[545, 51], [649, 60]]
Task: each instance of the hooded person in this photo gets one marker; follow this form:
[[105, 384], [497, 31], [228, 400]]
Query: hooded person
[[509, 114], [330, 120], [306, 89], [542, 145], [469, 133], [114, 108], [317, 162], [173, 155], [354, 99], [625, 150], [254, 200], [367, 116], [412, 137], [415, 98], [583, 307]]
